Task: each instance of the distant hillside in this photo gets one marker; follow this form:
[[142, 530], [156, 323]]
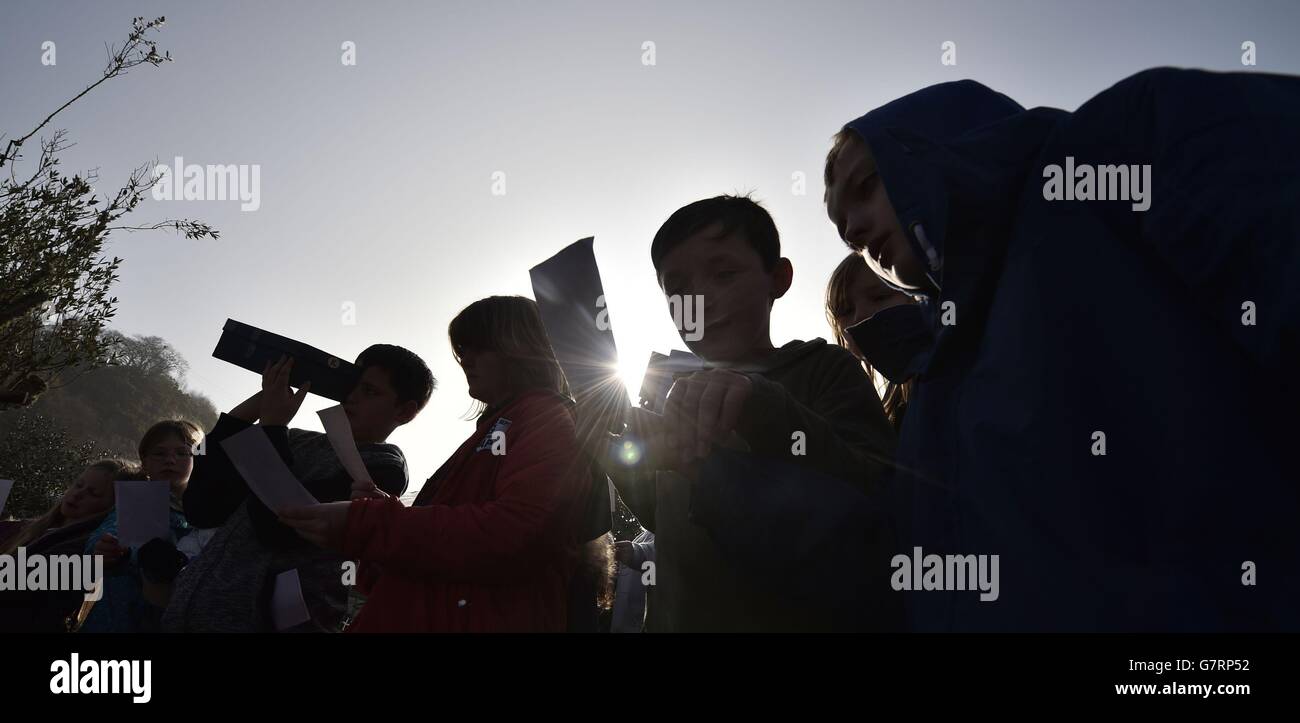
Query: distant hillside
[[93, 413]]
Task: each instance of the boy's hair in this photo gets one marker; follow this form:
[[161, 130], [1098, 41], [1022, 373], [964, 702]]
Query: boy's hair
[[511, 326], [407, 372], [841, 140], [729, 213], [186, 430]]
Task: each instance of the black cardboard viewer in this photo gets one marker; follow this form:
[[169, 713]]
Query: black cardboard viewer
[[251, 348], [661, 372]]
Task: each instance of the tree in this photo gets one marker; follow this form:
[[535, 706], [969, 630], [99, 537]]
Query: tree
[[41, 458], [55, 281], [113, 405], [102, 411]]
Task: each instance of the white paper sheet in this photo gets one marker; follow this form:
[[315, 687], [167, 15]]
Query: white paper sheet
[[142, 511], [5, 486], [339, 431], [288, 608], [266, 474]]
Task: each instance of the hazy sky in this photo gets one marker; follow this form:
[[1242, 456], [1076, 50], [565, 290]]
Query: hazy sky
[[376, 179]]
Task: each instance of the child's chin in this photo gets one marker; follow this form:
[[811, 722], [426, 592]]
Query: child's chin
[[714, 353]]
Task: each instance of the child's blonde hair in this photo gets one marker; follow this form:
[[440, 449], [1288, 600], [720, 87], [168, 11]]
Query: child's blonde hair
[[116, 469]]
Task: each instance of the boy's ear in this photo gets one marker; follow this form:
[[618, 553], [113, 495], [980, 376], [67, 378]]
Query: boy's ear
[[782, 277]]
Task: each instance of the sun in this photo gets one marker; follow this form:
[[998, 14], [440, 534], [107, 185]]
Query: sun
[[631, 374]]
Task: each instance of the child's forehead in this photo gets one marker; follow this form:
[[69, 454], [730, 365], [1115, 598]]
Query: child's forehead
[[710, 244], [96, 476], [855, 157], [171, 439], [853, 162], [376, 376]]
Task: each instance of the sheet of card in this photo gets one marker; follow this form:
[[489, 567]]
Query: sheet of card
[[571, 300], [288, 608], [266, 474], [142, 508], [339, 432], [5, 486]]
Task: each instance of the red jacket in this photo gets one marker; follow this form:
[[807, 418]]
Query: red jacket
[[491, 543]]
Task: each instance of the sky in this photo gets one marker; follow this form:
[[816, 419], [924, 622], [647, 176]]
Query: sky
[[377, 178]]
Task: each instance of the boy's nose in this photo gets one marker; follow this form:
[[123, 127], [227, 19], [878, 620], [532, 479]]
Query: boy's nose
[[857, 233]]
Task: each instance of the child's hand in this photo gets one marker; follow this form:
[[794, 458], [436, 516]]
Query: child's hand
[[703, 408], [279, 402], [321, 525], [111, 551], [647, 428], [365, 489]]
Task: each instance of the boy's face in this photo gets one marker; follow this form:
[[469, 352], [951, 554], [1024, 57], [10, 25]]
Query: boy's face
[[867, 296], [720, 295], [373, 408], [171, 460], [860, 209], [90, 494]]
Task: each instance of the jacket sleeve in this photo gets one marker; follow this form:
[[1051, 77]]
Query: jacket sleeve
[[215, 489], [540, 480], [845, 433], [1222, 216]]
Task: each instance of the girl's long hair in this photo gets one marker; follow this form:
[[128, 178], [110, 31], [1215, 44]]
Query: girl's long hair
[[894, 397], [115, 468], [511, 326]]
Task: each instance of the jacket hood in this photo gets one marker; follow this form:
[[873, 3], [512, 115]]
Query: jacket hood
[[954, 159]]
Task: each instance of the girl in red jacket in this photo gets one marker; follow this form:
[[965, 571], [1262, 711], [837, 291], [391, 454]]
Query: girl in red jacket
[[491, 541]]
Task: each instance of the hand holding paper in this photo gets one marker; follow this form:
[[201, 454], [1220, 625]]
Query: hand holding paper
[[108, 548], [266, 474], [322, 525], [366, 490]]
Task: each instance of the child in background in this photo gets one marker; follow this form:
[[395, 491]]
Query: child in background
[[764, 459], [229, 587], [167, 455], [63, 530], [492, 541], [853, 295]]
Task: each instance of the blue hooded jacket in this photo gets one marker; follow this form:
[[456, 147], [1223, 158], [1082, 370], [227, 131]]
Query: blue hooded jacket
[[1166, 338]]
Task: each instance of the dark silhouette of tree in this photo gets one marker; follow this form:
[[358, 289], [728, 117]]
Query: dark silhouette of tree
[[54, 279]]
